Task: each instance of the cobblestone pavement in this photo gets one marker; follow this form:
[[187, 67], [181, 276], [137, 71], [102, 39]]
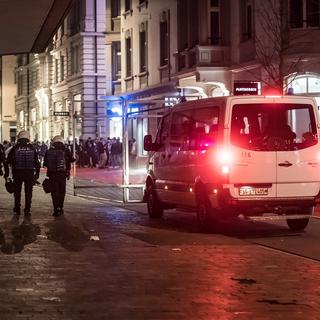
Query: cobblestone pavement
[[105, 183], [104, 262]]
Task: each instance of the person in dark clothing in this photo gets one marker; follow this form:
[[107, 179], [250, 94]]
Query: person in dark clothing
[[101, 153], [43, 149], [90, 149], [81, 153], [24, 161], [58, 161], [2, 158]]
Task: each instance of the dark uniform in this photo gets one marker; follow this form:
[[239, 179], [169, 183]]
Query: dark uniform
[[58, 161], [23, 159]]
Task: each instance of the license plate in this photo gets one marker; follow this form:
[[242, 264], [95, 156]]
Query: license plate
[[253, 191]]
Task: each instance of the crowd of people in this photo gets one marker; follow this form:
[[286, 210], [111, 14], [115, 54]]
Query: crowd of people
[[93, 153], [20, 164]]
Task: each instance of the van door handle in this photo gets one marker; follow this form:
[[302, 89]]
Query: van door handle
[[285, 164]]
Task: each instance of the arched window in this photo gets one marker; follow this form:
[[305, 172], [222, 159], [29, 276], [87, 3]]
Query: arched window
[[305, 84]]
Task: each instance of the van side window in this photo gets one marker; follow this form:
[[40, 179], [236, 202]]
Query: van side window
[[205, 130], [181, 125], [195, 128], [163, 133]]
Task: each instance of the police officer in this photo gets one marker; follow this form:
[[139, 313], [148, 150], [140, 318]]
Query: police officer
[[25, 165], [58, 161]]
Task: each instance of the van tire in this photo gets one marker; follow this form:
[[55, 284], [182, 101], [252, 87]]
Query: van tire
[[154, 206], [206, 215], [297, 224]]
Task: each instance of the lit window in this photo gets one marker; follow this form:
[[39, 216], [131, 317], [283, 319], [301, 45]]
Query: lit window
[[21, 117]]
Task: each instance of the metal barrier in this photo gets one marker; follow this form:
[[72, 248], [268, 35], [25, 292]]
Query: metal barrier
[[119, 185]]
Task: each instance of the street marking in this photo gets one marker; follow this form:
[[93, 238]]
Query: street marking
[[53, 299]]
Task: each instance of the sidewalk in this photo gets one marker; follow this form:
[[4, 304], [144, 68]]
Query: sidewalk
[[90, 177], [111, 175], [107, 183], [137, 269]]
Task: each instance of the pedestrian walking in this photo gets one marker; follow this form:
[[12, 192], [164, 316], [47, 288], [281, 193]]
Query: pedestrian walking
[[101, 153], [81, 154], [132, 153], [107, 147], [24, 162], [57, 160], [42, 151], [118, 152], [90, 149]]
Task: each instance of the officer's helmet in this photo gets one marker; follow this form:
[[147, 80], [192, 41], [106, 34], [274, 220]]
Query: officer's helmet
[[24, 135], [57, 139]]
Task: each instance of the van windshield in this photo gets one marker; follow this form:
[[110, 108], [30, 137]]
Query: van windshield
[[273, 127]]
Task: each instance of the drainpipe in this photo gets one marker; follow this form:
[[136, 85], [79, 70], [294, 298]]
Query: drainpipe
[[168, 39], [28, 94], [96, 65]]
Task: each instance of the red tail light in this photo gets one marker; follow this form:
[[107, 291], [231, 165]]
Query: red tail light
[[224, 159]]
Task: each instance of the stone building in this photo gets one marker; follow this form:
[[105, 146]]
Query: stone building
[[70, 76], [7, 94], [107, 52]]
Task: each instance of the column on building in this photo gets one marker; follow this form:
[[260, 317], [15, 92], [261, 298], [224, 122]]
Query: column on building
[[94, 70]]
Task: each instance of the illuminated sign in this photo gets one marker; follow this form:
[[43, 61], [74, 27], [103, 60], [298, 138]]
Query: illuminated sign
[[171, 101], [61, 113], [248, 88]]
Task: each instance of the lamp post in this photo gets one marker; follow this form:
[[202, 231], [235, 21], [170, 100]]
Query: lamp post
[[125, 151]]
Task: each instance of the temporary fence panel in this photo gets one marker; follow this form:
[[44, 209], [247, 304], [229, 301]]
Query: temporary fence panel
[[123, 183]]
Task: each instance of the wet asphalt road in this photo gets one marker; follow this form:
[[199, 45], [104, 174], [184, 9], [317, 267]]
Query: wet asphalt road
[[101, 261], [274, 235]]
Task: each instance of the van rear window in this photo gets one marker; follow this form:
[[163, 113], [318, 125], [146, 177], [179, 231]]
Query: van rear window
[[273, 127]]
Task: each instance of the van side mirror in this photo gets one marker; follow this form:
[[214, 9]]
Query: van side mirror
[[147, 143]]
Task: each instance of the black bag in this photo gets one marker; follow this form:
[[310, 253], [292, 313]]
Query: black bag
[[9, 185], [46, 185]]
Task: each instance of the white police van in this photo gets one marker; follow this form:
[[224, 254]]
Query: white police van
[[254, 156]]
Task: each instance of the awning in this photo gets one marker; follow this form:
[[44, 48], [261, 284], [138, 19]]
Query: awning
[[28, 25]]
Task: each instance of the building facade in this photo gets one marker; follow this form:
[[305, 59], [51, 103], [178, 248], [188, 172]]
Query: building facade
[[7, 94], [147, 51], [69, 77]]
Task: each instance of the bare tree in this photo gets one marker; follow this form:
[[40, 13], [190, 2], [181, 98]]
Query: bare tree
[[275, 43]]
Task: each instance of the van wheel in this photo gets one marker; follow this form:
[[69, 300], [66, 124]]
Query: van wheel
[[155, 207], [206, 215], [297, 224], [300, 224]]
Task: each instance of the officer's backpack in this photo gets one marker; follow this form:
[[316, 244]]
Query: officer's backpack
[[56, 160], [24, 157]]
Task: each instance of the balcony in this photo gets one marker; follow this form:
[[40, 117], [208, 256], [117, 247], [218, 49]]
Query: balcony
[[143, 79], [129, 83], [164, 73], [200, 56], [115, 24], [116, 87]]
